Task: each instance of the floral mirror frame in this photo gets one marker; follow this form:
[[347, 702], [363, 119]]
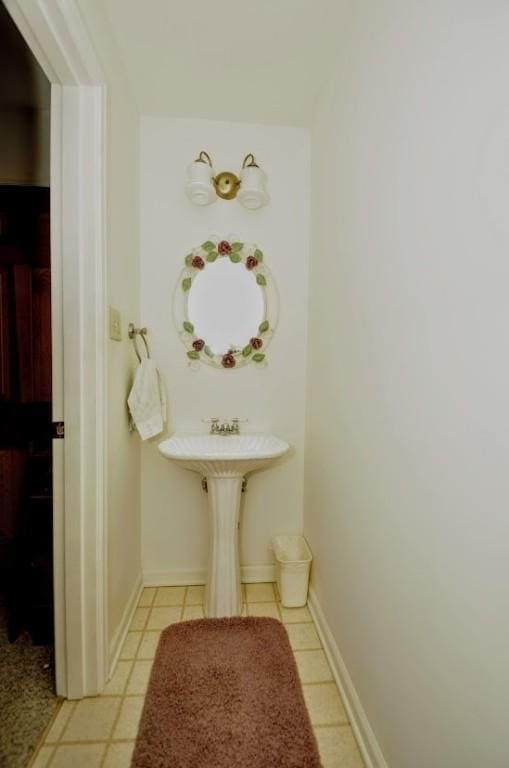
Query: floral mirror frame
[[248, 256]]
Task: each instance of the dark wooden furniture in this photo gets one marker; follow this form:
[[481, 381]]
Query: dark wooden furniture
[[5, 361], [26, 510]]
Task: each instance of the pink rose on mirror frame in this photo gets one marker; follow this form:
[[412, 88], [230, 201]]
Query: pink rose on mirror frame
[[198, 262], [224, 248], [256, 343], [228, 361], [251, 262], [198, 345]]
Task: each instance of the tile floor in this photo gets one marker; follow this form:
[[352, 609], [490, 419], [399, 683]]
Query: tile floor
[[100, 732]]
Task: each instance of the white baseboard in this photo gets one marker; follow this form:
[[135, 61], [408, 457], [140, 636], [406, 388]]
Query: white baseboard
[[254, 574], [121, 631], [366, 739], [249, 574]]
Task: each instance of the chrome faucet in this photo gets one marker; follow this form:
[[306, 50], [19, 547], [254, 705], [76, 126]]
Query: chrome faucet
[[227, 427]]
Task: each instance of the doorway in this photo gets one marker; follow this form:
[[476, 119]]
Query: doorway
[[27, 673], [57, 36]]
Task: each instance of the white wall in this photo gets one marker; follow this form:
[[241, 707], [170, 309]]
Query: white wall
[[122, 218], [408, 419], [174, 522]]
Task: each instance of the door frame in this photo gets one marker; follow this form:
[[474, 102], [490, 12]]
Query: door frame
[[56, 33]]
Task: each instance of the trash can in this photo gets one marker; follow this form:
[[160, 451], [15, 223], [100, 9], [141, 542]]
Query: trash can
[[293, 558]]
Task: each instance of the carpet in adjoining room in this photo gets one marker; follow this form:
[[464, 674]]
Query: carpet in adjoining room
[[27, 696]]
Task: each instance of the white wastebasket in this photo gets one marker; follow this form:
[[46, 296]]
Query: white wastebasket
[[293, 558]]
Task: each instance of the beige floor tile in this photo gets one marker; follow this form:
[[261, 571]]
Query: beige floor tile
[[303, 637], [324, 704], [42, 757], [161, 617], [139, 619], [78, 756], [138, 681], [148, 645], [131, 644], [312, 666], [117, 684], [130, 713], [119, 755], [295, 615], [170, 596], [195, 595], [92, 720], [260, 593], [147, 596], [263, 609], [338, 748], [60, 721], [193, 612]]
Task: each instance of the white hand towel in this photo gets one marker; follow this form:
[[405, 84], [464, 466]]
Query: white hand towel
[[147, 401]]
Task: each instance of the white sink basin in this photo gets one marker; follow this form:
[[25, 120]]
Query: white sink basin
[[223, 460], [218, 456]]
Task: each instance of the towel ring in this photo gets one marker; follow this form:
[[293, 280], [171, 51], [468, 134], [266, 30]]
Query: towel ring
[[133, 333]]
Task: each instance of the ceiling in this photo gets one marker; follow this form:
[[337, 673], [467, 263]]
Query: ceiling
[[23, 84], [260, 61]]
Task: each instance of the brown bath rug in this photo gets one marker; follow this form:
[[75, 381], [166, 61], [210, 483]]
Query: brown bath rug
[[225, 693]]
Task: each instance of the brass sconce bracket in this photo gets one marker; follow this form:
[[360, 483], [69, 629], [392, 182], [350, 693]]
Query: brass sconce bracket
[[227, 183]]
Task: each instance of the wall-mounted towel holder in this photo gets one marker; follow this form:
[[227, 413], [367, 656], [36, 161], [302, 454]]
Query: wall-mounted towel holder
[[133, 333]]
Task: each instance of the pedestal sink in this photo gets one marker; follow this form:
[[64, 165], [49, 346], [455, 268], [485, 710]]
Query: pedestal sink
[[224, 461]]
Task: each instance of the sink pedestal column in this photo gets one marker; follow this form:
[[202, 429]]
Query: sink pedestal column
[[223, 591]]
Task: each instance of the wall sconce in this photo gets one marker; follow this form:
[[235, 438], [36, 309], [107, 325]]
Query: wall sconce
[[204, 187]]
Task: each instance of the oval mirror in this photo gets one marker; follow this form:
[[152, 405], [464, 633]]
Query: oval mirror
[[226, 304]]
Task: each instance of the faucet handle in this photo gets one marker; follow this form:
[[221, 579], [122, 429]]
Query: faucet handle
[[214, 424], [235, 424]]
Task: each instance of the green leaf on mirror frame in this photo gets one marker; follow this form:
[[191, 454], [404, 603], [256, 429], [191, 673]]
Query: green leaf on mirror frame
[[193, 355], [247, 350], [186, 283], [258, 254], [260, 279], [189, 327], [235, 257], [211, 256], [237, 246], [189, 259], [263, 327], [208, 245], [208, 351], [258, 358]]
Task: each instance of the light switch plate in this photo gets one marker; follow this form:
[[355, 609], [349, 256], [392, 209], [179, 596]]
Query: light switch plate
[[115, 324]]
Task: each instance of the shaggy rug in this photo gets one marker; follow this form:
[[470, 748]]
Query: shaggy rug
[[225, 693]]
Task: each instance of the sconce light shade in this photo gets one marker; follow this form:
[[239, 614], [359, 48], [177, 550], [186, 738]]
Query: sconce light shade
[[252, 193], [200, 188]]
